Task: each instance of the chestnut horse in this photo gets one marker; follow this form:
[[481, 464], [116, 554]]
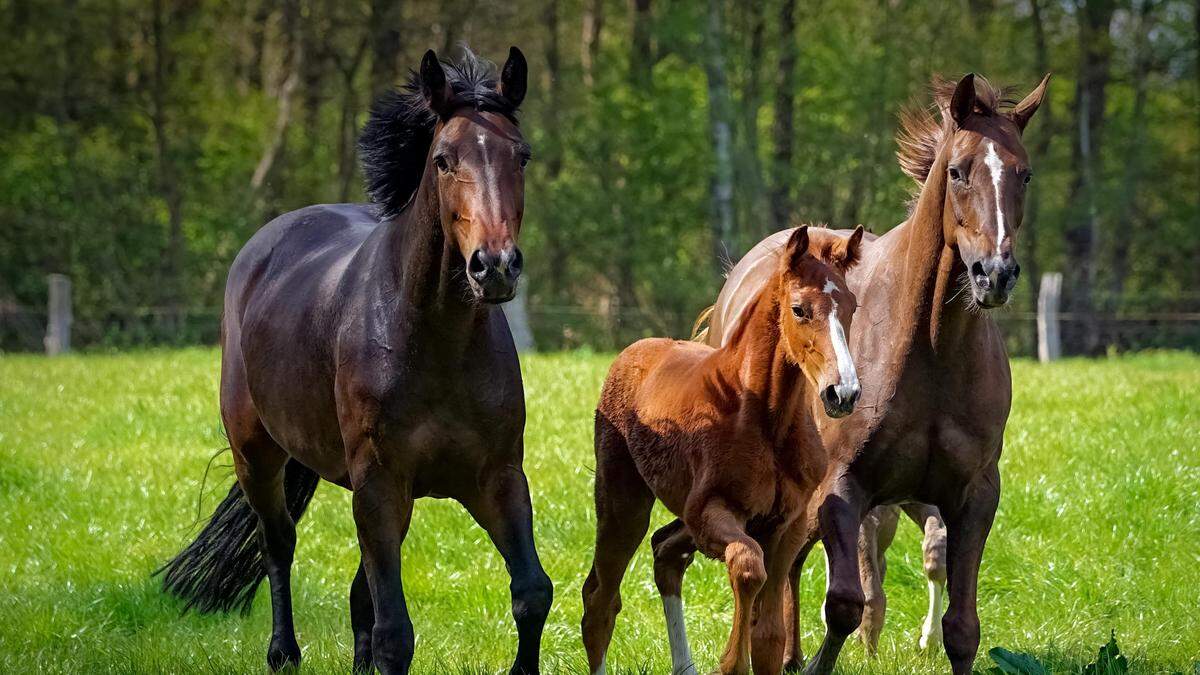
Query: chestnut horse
[[362, 345], [936, 382], [726, 439]]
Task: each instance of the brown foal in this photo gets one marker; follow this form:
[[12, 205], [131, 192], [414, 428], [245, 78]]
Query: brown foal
[[727, 440]]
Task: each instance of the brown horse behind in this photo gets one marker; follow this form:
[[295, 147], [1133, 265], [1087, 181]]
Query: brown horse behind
[[726, 439]]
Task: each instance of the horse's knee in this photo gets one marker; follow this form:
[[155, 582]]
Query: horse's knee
[[531, 600], [843, 610], [747, 570], [960, 634]]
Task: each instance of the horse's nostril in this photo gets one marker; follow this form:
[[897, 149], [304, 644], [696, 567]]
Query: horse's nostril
[[829, 394], [477, 266], [1016, 272], [977, 269]]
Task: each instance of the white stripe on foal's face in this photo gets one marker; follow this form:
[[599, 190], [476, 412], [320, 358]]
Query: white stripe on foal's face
[[847, 374], [997, 168]]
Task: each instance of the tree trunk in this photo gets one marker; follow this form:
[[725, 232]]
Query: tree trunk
[[385, 45], [1128, 221], [1039, 152], [721, 121], [553, 152], [270, 165], [1095, 62], [783, 128], [754, 218], [589, 43], [347, 124], [168, 178]]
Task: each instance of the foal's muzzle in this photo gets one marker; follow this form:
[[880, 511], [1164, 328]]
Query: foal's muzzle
[[493, 274], [992, 280], [839, 399]]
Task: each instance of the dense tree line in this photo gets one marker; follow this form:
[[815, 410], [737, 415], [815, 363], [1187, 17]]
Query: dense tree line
[[145, 141]]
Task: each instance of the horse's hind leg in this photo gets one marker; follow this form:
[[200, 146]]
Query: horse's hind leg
[[840, 516], [875, 535], [623, 503], [260, 467], [362, 620], [673, 553], [503, 509], [933, 550]]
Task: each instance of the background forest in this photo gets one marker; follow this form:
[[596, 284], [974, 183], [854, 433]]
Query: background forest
[[145, 141]]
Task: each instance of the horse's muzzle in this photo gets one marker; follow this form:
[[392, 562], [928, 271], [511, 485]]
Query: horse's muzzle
[[839, 399], [493, 275], [993, 279]]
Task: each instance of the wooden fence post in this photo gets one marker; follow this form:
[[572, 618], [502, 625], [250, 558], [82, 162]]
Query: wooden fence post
[[58, 315], [1049, 341]]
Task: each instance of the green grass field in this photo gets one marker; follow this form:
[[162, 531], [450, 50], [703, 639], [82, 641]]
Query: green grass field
[[101, 459]]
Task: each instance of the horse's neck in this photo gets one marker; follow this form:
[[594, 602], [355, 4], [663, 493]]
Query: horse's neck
[[928, 312], [416, 263], [755, 358]]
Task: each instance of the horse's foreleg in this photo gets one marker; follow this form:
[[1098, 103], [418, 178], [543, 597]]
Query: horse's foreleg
[[503, 509], [840, 515], [673, 553], [720, 532], [769, 641], [967, 529], [260, 469], [933, 553], [382, 513], [362, 620], [875, 535], [793, 655]]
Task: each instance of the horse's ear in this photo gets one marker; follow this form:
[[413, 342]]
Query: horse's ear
[[797, 247], [962, 104], [513, 77], [850, 251], [1023, 111], [433, 84]]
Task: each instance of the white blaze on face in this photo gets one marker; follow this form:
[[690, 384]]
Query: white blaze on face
[[681, 654], [997, 168], [837, 335]]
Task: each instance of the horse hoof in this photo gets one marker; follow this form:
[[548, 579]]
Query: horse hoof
[[794, 665], [283, 657], [930, 642]]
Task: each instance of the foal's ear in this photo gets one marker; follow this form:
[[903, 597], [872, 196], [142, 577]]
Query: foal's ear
[[797, 247], [433, 84], [513, 77], [962, 104], [1023, 111], [848, 254]]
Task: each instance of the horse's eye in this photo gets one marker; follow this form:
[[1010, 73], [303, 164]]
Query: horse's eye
[[802, 312], [442, 165], [1028, 177], [956, 173], [524, 161]]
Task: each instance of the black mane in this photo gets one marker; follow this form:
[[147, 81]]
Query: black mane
[[399, 131]]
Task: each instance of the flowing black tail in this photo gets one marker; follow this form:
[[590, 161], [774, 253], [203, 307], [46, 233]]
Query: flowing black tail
[[221, 569]]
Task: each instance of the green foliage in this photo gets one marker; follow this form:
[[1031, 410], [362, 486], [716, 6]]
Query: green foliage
[[1013, 663], [1110, 660], [617, 237], [102, 457]]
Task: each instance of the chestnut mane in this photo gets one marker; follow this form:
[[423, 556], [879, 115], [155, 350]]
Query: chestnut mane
[[921, 131]]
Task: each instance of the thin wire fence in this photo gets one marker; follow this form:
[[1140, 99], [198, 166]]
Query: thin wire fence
[[557, 327]]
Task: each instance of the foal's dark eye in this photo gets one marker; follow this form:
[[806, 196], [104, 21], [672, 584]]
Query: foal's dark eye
[[1028, 177], [956, 173], [802, 312], [442, 165], [524, 161]]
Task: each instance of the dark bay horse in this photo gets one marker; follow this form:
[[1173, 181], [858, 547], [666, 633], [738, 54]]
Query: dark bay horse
[[935, 376], [362, 345], [726, 439]]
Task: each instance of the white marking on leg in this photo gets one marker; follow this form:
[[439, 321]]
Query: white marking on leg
[[931, 632], [997, 168], [600, 668], [681, 654]]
